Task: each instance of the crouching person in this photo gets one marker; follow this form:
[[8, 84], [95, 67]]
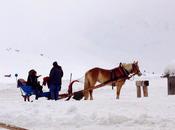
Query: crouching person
[[55, 78]]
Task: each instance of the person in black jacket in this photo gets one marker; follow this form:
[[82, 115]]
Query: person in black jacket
[[32, 81], [55, 82]]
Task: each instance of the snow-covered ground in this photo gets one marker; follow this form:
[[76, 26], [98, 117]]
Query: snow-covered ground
[[81, 35], [155, 112]]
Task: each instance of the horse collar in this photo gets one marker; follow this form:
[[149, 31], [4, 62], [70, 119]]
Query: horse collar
[[125, 71]]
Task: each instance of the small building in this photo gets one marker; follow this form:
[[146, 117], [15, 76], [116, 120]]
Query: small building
[[171, 85], [169, 73]]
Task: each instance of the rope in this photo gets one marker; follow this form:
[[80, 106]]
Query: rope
[[132, 76]]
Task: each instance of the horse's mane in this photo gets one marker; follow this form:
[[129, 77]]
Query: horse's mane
[[128, 67]]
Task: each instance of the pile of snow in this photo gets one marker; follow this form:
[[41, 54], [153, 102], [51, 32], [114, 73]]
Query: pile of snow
[[170, 69]]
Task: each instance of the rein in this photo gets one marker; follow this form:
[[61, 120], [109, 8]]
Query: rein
[[132, 75]]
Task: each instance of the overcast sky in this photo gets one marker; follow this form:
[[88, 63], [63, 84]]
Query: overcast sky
[[80, 34]]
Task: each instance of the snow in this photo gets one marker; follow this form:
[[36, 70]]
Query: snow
[[170, 69], [81, 35], [104, 112]]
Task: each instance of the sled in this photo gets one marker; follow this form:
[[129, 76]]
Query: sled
[[27, 91]]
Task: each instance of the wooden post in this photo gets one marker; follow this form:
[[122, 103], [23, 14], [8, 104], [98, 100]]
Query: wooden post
[[70, 77], [138, 91], [145, 91], [138, 84], [144, 85]]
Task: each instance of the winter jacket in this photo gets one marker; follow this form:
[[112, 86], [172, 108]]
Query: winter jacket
[[32, 81], [56, 74]]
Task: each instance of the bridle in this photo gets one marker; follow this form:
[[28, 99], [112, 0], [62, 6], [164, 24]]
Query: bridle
[[135, 69], [124, 73]]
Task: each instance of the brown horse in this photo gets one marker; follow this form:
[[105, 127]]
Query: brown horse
[[118, 75]]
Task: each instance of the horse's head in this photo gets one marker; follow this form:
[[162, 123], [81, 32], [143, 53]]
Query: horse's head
[[135, 69]]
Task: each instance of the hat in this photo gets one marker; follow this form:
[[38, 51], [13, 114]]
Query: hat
[[55, 63]]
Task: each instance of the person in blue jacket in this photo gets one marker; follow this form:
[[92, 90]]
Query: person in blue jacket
[[55, 80]]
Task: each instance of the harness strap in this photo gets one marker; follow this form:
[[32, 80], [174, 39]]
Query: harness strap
[[119, 72], [113, 76], [126, 73], [116, 74]]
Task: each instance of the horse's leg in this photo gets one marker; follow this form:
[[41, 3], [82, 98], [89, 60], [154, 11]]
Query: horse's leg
[[118, 91], [86, 86], [90, 80], [86, 95], [119, 85], [91, 97]]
